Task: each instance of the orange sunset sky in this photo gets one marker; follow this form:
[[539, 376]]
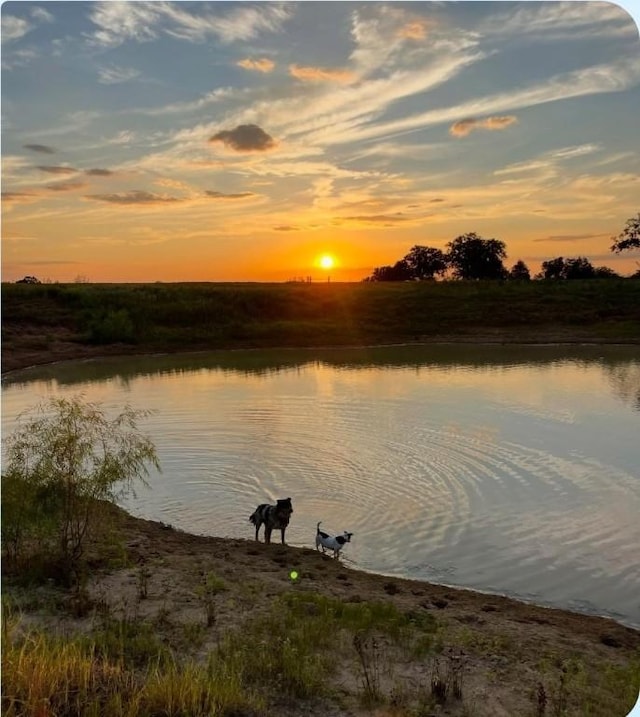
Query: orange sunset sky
[[195, 141]]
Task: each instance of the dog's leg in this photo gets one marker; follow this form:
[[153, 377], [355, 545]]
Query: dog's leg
[[282, 531], [267, 533], [257, 530]]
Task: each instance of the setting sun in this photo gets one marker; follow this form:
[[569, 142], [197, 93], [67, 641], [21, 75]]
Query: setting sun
[[326, 261]]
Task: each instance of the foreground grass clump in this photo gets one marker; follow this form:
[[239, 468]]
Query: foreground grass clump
[[46, 676], [122, 668]]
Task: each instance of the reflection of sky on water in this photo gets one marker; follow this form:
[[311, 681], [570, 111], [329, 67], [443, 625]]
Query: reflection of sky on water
[[519, 476]]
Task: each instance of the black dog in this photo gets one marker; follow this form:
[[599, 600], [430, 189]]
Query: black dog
[[273, 516]]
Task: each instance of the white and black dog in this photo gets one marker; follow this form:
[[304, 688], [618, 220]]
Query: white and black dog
[[336, 543]]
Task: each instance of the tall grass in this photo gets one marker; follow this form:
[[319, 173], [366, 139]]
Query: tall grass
[[223, 315]]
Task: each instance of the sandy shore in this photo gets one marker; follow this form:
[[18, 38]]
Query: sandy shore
[[504, 641]]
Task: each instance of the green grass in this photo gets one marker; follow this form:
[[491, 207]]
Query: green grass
[[285, 657], [169, 316]]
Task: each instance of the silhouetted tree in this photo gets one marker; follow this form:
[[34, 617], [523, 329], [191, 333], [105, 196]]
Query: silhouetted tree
[[425, 262], [473, 257], [552, 269], [400, 271], [28, 280], [605, 272], [520, 271], [629, 237], [577, 268]]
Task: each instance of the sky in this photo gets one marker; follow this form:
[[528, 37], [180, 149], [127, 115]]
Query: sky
[[220, 141]]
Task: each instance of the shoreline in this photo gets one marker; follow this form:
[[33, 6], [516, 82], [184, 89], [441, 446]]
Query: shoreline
[[21, 360], [511, 650], [86, 353]]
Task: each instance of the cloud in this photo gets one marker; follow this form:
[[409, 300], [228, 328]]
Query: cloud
[[286, 228], [416, 30], [377, 218], [98, 172], [133, 197], [577, 151], [222, 195], [65, 186], [568, 237], [245, 138], [608, 77], [116, 75], [321, 74], [18, 58], [43, 148], [561, 20], [52, 169], [464, 127], [39, 13], [261, 65], [119, 21], [16, 196], [549, 160], [14, 28]]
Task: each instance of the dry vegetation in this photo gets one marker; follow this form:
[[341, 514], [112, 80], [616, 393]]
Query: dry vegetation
[[175, 624]]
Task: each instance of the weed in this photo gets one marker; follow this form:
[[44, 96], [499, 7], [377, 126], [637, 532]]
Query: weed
[[211, 586], [368, 651]]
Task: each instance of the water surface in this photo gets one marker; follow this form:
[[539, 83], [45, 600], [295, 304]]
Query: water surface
[[506, 469]]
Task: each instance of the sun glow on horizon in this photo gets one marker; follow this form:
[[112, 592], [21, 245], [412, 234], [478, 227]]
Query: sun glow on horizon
[[326, 261]]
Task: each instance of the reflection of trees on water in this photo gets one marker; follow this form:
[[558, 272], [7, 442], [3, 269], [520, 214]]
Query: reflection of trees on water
[[621, 362], [625, 382]]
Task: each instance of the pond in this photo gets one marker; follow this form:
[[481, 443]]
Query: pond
[[507, 469]]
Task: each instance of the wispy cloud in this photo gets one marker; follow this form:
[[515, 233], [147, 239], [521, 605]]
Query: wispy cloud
[[222, 195], [321, 74], [286, 228], [261, 65], [42, 148], [555, 21], [133, 197], [548, 160], [610, 77], [17, 196], [568, 238], [463, 128], [56, 169], [98, 172], [42, 15], [66, 186], [121, 21], [116, 75], [19, 58]]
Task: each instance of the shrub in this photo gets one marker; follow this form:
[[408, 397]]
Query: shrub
[[62, 462]]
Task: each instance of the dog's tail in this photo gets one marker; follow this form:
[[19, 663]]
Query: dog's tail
[[318, 527], [253, 518]]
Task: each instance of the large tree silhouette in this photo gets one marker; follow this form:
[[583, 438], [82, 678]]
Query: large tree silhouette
[[472, 257], [425, 262]]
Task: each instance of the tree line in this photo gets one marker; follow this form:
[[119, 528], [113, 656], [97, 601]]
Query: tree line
[[470, 256]]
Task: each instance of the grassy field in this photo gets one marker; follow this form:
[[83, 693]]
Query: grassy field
[[170, 317]]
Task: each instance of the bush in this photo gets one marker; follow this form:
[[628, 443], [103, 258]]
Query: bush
[[62, 462]]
